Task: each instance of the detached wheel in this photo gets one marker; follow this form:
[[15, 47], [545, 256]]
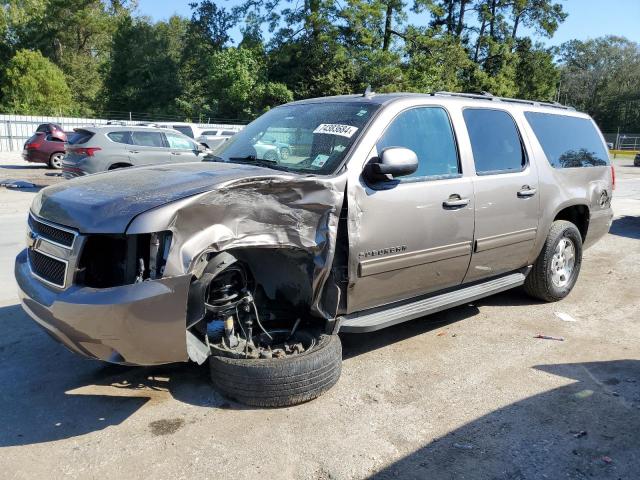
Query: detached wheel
[[284, 153], [280, 382], [556, 269], [55, 161]]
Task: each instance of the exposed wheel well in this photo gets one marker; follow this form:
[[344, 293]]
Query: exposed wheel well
[[578, 215], [119, 165]]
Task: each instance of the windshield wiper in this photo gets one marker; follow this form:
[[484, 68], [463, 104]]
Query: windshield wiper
[[257, 161]]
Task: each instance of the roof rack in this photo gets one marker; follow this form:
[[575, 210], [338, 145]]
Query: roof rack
[[490, 97]]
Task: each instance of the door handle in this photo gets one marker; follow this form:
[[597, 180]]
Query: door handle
[[455, 201], [526, 192], [134, 151], [176, 153]]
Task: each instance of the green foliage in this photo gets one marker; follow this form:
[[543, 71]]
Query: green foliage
[[33, 85], [113, 60]]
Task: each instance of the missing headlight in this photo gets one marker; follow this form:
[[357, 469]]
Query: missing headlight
[[113, 260]]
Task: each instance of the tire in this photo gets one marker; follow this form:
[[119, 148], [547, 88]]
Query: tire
[[280, 382], [284, 153], [541, 282], [55, 161], [271, 155]]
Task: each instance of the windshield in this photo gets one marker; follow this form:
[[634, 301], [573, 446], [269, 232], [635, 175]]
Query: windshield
[[309, 138]]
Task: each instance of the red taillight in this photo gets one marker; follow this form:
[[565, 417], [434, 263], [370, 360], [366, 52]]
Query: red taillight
[[88, 151], [613, 177], [33, 146]]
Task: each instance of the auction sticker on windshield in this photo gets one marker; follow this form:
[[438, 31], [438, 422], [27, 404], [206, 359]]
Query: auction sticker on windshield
[[336, 129]]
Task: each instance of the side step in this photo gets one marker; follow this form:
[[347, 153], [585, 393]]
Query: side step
[[383, 317]]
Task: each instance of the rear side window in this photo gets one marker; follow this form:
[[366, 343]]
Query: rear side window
[[568, 141], [228, 133], [120, 137], [185, 130], [495, 141], [427, 131], [210, 132], [80, 136], [147, 139]]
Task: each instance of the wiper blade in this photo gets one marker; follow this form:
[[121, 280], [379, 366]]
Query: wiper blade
[[252, 158]]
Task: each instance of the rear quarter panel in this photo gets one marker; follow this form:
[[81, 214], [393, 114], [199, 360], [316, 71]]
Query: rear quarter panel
[[560, 188]]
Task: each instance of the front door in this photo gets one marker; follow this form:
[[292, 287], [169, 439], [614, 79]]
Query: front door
[[181, 148], [414, 234], [506, 194]]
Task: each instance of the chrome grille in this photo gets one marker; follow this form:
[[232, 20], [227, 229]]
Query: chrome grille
[[55, 234], [47, 268]]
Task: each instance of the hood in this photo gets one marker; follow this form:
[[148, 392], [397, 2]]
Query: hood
[[106, 203]]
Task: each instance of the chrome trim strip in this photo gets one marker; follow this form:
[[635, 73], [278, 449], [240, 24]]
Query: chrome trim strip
[[66, 270], [54, 225], [375, 266], [504, 239]]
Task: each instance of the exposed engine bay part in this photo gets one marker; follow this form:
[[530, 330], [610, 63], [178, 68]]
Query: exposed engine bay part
[[229, 318]]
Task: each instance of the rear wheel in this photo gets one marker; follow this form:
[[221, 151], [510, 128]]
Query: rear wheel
[[55, 161], [556, 269], [284, 153]]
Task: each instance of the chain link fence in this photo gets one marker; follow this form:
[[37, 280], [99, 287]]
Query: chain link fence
[[623, 141], [16, 129]]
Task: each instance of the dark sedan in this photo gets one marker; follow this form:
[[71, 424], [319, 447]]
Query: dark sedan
[[636, 160]]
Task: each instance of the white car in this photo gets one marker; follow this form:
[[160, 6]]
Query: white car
[[215, 138]]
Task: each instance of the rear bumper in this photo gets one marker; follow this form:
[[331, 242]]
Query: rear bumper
[[139, 324], [69, 171], [599, 224]]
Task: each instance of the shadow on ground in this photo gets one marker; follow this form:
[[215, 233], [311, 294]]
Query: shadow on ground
[[589, 428], [626, 226]]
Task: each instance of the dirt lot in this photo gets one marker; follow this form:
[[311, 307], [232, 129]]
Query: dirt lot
[[464, 394]]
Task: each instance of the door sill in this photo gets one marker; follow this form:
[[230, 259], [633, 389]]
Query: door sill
[[383, 317]]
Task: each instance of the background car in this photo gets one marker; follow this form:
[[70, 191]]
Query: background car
[[46, 147], [98, 149], [191, 130], [214, 138], [271, 149], [636, 160]]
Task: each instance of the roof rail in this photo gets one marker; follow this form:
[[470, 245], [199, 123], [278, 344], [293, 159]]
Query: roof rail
[[488, 96]]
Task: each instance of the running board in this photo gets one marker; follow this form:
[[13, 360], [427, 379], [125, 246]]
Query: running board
[[383, 317]]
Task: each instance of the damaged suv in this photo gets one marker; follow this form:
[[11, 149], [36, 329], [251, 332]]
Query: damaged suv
[[385, 209]]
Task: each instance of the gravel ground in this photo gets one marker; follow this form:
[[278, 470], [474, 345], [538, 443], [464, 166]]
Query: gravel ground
[[466, 394]]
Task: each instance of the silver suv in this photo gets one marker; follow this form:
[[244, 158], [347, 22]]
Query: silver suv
[[388, 208], [98, 149]]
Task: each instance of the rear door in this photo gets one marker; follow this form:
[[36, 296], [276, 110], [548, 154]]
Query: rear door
[[181, 148], [148, 147], [506, 194]]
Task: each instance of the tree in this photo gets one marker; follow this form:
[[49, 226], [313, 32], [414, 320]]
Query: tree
[[602, 76], [33, 85]]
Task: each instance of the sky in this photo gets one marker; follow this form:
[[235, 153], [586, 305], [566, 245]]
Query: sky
[[587, 18]]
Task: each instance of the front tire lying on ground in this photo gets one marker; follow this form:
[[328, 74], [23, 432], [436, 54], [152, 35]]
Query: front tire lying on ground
[[280, 382], [556, 269]]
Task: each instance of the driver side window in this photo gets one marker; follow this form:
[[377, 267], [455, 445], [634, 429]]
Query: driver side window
[[428, 132]]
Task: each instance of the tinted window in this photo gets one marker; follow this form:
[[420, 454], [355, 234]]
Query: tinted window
[[426, 131], [147, 139], [494, 140], [568, 141], [80, 136], [185, 130], [120, 137], [178, 142], [210, 132], [49, 138], [227, 133]]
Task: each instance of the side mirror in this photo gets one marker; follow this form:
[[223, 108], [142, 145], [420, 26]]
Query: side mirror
[[393, 162]]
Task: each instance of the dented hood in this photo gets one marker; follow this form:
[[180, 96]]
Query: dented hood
[[106, 203]]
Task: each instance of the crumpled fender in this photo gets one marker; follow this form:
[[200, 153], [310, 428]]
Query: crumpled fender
[[282, 211]]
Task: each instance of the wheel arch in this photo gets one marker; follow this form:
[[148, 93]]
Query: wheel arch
[[578, 214], [113, 166]]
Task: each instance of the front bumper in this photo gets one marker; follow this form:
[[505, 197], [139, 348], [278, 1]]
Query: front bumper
[[139, 324]]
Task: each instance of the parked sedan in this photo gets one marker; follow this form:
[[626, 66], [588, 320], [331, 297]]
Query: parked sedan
[[271, 149], [98, 149], [45, 147]]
